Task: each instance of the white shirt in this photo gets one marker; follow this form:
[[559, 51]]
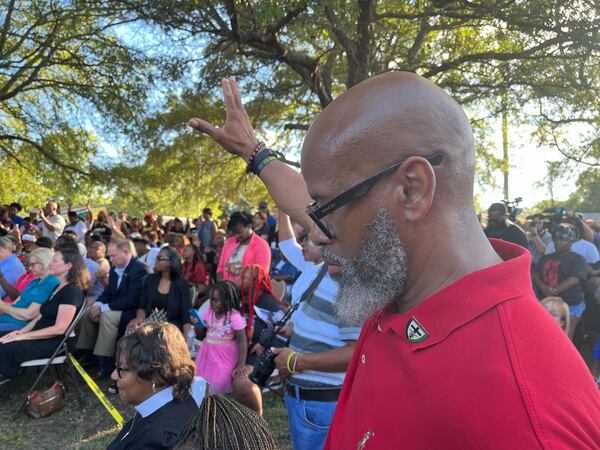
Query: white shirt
[[59, 225], [161, 398], [79, 229], [150, 258]]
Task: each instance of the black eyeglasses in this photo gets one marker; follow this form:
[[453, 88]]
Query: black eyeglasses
[[316, 212], [120, 371], [163, 258]]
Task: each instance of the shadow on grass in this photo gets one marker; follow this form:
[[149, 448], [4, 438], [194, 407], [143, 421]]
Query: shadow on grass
[[84, 423]]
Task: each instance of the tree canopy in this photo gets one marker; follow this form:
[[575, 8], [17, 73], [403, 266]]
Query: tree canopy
[[540, 59]]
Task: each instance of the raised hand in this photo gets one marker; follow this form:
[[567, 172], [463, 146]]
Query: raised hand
[[237, 135]]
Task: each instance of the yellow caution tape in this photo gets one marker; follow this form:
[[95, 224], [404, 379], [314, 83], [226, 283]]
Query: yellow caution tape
[[94, 387]]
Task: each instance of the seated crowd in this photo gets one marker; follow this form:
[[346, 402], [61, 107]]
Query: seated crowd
[[132, 274]]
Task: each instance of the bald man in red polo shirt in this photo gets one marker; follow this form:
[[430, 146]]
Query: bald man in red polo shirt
[[456, 352]]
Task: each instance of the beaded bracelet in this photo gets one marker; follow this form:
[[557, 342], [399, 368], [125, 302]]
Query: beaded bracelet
[[255, 151]]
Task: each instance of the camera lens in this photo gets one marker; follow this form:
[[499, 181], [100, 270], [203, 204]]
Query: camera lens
[[263, 368]]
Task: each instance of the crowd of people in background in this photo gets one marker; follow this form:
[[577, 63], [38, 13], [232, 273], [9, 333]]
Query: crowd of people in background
[[210, 281], [140, 267], [151, 270], [565, 266]]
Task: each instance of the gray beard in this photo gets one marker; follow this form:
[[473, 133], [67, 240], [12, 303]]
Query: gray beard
[[372, 278]]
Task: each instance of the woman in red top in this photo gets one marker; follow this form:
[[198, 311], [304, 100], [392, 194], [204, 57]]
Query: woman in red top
[[193, 268]]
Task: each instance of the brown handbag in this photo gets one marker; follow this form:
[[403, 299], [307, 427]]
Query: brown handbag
[[42, 404]]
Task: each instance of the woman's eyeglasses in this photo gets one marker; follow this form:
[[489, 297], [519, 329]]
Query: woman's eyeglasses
[[163, 258], [120, 371]]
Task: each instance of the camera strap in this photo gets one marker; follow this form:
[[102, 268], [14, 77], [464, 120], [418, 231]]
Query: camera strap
[[309, 291], [314, 284]]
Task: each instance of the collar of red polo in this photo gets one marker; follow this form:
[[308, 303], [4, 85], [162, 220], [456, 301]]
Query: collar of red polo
[[434, 319]]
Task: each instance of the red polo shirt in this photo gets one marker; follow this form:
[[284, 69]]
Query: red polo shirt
[[479, 364]]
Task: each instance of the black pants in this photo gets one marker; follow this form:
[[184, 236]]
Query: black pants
[[14, 353]]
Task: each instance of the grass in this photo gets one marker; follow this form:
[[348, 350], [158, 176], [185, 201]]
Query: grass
[[84, 423]]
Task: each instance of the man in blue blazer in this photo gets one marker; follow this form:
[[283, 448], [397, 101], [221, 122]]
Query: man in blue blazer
[[115, 307]]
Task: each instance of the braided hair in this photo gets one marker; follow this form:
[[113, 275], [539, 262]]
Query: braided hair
[[260, 282], [224, 424], [228, 293]]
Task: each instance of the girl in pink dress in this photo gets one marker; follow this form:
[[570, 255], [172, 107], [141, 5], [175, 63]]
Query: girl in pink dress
[[223, 352]]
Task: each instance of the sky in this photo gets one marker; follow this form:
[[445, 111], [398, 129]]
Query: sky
[[528, 171]]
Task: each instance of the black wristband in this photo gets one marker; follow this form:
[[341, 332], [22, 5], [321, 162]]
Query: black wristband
[[264, 163], [259, 158]]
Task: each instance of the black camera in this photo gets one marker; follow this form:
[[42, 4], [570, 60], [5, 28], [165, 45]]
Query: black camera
[[553, 216], [265, 364], [512, 208], [269, 337]]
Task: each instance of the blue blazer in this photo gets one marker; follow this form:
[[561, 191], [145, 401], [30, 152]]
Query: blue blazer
[[126, 297]]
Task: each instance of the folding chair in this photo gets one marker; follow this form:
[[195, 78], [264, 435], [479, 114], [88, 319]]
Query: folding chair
[[59, 356]]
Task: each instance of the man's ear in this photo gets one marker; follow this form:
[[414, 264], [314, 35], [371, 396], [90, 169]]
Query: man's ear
[[416, 184]]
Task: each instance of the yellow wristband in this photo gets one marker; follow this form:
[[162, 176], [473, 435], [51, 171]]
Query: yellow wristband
[[294, 364], [289, 360]]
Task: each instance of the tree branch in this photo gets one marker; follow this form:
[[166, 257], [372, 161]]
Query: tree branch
[[503, 56], [6, 26], [44, 152]]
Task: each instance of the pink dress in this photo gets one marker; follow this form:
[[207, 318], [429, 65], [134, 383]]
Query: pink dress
[[219, 352]]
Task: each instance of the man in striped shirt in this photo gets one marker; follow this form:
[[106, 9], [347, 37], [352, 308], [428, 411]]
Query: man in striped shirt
[[320, 346]]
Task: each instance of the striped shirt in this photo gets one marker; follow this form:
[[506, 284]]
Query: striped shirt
[[316, 328]]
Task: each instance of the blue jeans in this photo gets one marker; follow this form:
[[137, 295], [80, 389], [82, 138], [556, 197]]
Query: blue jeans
[[577, 310], [309, 422]]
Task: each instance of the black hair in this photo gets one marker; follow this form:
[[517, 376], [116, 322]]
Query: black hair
[[228, 294], [207, 211], [239, 218], [576, 222], [70, 233], [16, 205], [141, 240], [176, 269], [500, 207], [197, 254], [66, 239], [44, 242], [95, 237], [72, 214]]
